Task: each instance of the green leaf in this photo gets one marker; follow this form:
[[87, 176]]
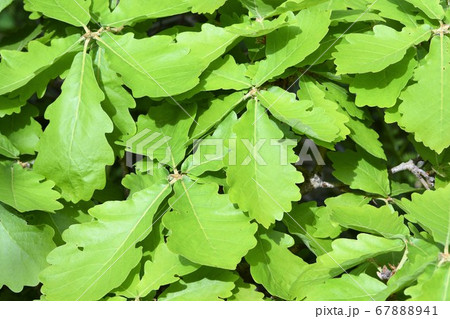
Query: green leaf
[[159, 67], [7, 148], [212, 232], [225, 74], [165, 268], [73, 150], [210, 152], [74, 12], [431, 8], [273, 265], [433, 288], [361, 171], [366, 138], [288, 46], [363, 53], [432, 211], [264, 9], [218, 108], [345, 254], [261, 179], [18, 68], [206, 284], [132, 11], [9, 106], [346, 288], [4, 4], [98, 256], [433, 79], [245, 292], [23, 250], [302, 116], [383, 220], [252, 28], [382, 89], [117, 100], [310, 90], [398, 10], [420, 255], [340, 95], [313, 226], [206, 6], [25, 191], [22, 130], [163, 133], [153, 174], [349, 252]]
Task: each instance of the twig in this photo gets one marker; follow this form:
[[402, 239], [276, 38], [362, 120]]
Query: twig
[[426, 180], [317, 182]]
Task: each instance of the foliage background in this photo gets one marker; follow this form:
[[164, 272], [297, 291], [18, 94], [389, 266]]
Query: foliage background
[[366, 81]]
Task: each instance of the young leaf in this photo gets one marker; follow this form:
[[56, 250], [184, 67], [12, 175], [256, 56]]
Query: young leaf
[[398, 10], [309, 90], [7, 148], [345, 254], [206, 284], [131, 11], [363, 53], [273, 265], [165, 268], [346, 288], [288, 46], [245, 292], [9, 106], [433, 288], [421, 254], [117, 100], [431, 8], [361, 171], [18, 68], [210, 152], [211, 233], [366, 138], [384, 220], [163, 133], [217, 109], [98, 256], [382, 89], [73, 151], [252, 28], [432, 211], [24, 190], [23, 250], [431, 89], [159, 67], [22, 130], [75, 12], [225, 74], [300, 115], [262, 181]]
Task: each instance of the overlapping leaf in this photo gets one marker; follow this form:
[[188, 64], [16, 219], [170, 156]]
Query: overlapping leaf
[[98, 256], [212, 232], [262, 181], [425, 104], [25, 191], [362, 53], [73, 151], [18, 68], [23, 250]]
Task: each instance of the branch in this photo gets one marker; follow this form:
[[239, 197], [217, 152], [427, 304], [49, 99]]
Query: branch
[[426, 180]]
